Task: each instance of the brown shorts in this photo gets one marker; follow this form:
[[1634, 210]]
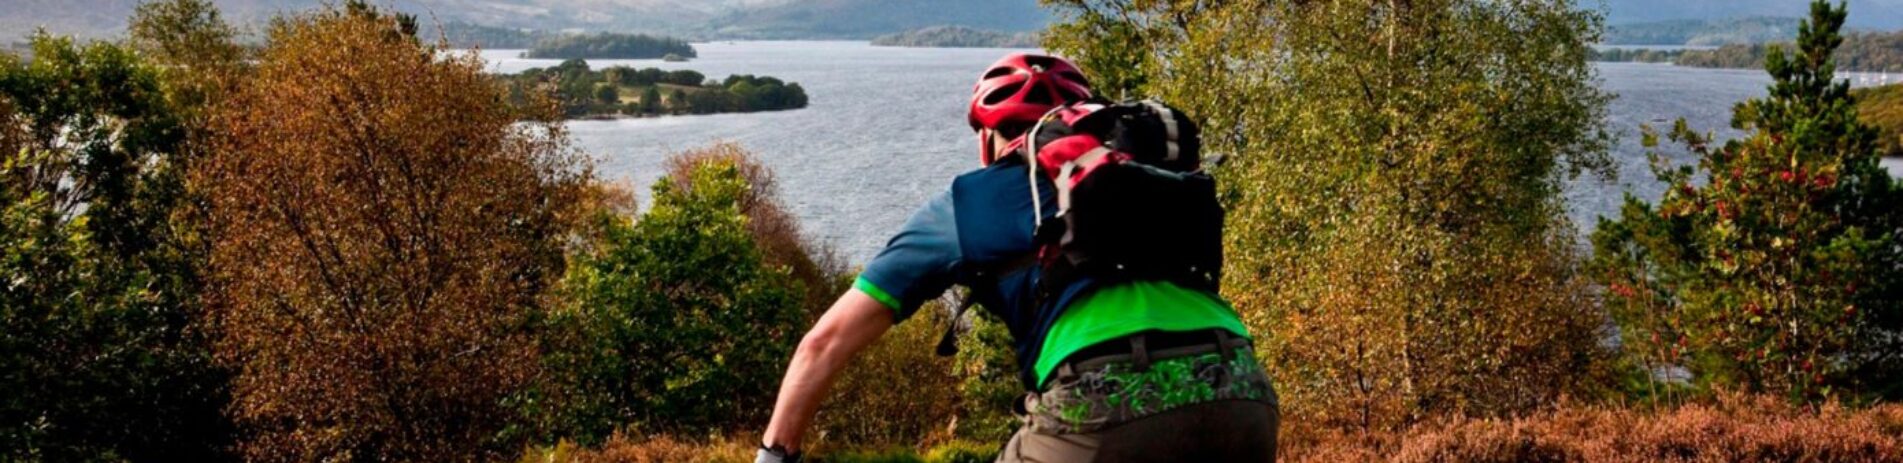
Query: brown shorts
[[1195, 406]]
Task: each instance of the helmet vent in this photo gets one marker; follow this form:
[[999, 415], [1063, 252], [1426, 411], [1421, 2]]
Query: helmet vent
[[1039, 62], [1039, 94], [997, 72], [1003, 93]]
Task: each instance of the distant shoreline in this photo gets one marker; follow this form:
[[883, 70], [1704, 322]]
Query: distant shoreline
[[957, 37]]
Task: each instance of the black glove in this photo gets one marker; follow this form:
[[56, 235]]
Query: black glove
[[776, 454]]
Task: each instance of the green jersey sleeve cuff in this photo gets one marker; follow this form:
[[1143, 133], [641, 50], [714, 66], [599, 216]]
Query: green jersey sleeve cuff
[[866, 286]]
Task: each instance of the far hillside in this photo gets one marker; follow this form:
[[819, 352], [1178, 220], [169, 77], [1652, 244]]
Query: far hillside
[[1883, 108], [1861, 52], [864, 19], [467, 35], [1634, 55], [957, 37], [611, 46], [1865, 14], [1695, 32]]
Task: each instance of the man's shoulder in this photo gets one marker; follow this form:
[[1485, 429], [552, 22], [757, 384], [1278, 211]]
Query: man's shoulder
[[1007, 175]]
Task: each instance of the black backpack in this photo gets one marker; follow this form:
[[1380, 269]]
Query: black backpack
[[1151, 213], [1148, 212]]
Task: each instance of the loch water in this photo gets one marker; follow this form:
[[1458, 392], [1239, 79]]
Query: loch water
[[885, 128]]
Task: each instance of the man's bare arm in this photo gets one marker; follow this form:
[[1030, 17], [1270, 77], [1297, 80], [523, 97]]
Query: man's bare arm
[[852, 323]]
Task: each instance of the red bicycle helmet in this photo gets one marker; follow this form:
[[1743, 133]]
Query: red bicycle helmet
[[1017, 90]]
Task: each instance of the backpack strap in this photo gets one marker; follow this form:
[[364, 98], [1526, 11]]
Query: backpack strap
[[1064, 184], [1168, 116]]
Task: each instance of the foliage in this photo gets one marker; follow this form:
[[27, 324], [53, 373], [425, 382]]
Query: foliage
[[1731, 428], [1770, 264], [1859, 52], [383, 232], [1882, 108], [582, 92], [897, 393], [196, 51], [1697, 32], [624, 448], [609, 46], [1395, 237], [101, 284], [951, 452], [775, 232], [988, 386], [680, 323], [956, 36]]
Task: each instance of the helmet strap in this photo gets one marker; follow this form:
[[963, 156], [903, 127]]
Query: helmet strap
[[984, 147]]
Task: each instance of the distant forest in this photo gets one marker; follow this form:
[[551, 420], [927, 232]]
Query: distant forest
[[626, 91], [466, 35], [1861, 52], [1694, 32], [957, 36], [1629, 55], [610, 46]]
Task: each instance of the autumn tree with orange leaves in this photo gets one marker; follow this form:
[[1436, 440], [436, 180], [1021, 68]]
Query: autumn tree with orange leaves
[[383, 233]]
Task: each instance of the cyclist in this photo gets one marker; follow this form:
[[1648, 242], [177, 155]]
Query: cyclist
[[1125, 371]]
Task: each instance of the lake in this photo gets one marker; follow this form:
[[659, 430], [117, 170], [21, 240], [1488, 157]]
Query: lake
[[886, 128]]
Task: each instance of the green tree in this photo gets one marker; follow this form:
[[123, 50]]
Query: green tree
[[195, 49], [100, 357], [607, 94], [1771, 264], [681, 324], [1396, 238], [685, 78], [651, 100]]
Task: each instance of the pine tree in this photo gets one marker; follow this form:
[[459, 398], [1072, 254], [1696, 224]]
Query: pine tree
[[1772, 263]]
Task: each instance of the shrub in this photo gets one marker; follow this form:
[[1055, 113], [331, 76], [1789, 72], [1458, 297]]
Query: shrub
[[950, 452], [672, 323], [1731, 428], [776, 233], [667, 449], [897, 393], [624, 448], [964, 452], [988, 386], [383, 235]]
